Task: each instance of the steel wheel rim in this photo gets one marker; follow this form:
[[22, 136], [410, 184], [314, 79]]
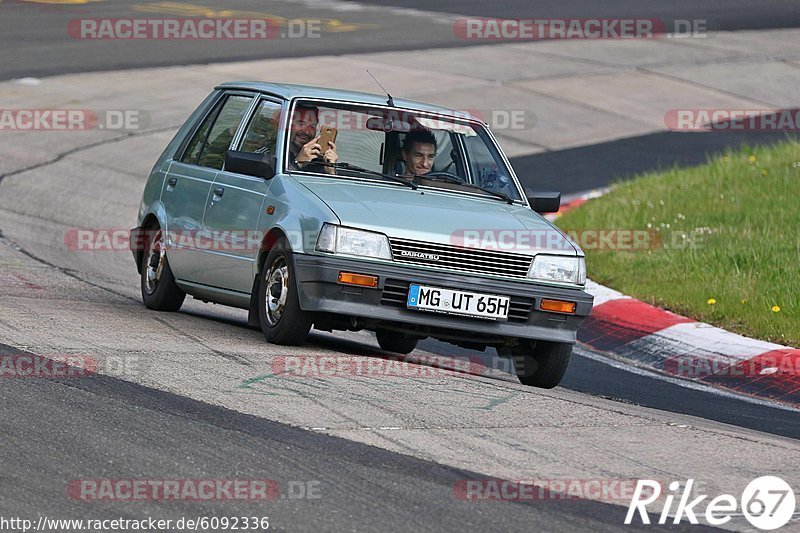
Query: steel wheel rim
[[158, 254], [277, 292]]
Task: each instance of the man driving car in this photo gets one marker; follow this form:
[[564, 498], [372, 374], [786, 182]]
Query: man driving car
[[419, 152], [304, 145]]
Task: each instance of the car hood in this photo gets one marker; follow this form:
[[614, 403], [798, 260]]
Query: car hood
[[441, 217]]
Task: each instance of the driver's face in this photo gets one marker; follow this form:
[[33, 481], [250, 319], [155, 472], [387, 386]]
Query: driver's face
[[419, 159], [303, 128]]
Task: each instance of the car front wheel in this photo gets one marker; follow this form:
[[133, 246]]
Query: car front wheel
[[159, 290], [282, 320], [544, 365]]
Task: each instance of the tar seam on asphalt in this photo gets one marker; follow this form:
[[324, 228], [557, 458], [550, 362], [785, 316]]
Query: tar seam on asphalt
[[77, 149], [58, 158]]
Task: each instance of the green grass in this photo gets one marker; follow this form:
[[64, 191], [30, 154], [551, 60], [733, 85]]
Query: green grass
[[736, 223]]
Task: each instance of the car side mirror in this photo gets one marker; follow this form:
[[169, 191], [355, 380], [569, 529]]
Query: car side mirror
[[250, 164], [544, 201]]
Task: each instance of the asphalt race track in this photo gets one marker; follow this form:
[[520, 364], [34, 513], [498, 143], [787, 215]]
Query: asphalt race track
[[33, 40], [117, 423], [194, 396]]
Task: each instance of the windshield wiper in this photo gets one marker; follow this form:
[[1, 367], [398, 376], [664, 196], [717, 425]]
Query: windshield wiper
[[445, 177], [501, 195], [348, 166], [354, 168]]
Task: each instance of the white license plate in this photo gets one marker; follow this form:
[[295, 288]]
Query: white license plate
[[462, 303]]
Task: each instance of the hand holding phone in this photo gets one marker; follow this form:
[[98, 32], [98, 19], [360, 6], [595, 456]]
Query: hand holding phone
[[327, 135]]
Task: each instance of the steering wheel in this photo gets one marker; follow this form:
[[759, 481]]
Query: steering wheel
[[447, 176]]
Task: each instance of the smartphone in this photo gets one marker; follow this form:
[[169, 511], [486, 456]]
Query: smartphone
[[327, 134]]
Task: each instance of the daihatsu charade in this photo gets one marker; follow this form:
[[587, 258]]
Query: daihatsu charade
[[339, 210]]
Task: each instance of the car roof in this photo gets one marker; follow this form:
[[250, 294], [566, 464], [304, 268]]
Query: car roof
[[290, 91]]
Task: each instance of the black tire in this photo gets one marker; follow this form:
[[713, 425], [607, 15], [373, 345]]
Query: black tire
[[392, 341], [282, 321], [544, 365], [159, 290]]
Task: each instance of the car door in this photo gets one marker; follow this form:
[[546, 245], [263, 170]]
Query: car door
[[236, 203], [188, 185]]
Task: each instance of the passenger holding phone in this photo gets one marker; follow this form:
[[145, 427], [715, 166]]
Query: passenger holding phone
[[304, 143]]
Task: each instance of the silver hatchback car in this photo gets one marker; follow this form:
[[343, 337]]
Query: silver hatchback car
[[338, 210]]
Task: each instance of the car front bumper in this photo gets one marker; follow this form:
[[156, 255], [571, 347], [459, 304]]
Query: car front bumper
[[320, 291]]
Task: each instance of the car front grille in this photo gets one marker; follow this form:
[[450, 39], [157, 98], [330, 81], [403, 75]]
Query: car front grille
[[472, 260], [395, 294]]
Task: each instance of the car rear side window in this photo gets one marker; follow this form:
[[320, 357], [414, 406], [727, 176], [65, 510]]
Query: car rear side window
[[213, 138], [261, 135]]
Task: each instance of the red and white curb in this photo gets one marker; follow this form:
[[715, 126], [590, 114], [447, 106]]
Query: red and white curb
[[573, 201], [646, 336]]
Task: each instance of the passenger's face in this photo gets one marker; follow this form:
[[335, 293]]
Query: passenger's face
[[419, 158], [303, 127]]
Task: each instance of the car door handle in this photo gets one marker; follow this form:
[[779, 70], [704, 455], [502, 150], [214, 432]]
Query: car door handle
[[219, 191], [172, 182]]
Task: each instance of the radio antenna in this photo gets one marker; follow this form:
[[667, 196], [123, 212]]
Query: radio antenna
[[389, 101]]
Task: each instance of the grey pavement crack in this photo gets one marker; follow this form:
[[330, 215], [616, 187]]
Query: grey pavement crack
[[68, 272], [82, 148]]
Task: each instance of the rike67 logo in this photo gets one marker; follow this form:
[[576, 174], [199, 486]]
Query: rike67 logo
[[768, 502]]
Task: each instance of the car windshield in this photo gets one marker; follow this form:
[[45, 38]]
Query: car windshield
[[381, 143]]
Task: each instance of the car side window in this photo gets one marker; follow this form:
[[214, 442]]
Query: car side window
[[261, 135], [195, 146], [208, 146]]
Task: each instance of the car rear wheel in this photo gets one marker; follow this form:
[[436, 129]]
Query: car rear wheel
[[544, 365], [282, 320], [159, 290], [392, 341]]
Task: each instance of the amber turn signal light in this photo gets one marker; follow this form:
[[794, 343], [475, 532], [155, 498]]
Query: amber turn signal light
[[358, 279], [557, 306]]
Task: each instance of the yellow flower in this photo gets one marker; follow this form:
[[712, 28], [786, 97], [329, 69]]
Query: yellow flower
[[744, 300], [752, 159], [725, 159], [711, 301], [776, 309], [763, 171]]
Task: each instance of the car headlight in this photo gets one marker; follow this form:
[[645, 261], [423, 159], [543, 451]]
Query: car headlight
[[559, 268], [349, 241]]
